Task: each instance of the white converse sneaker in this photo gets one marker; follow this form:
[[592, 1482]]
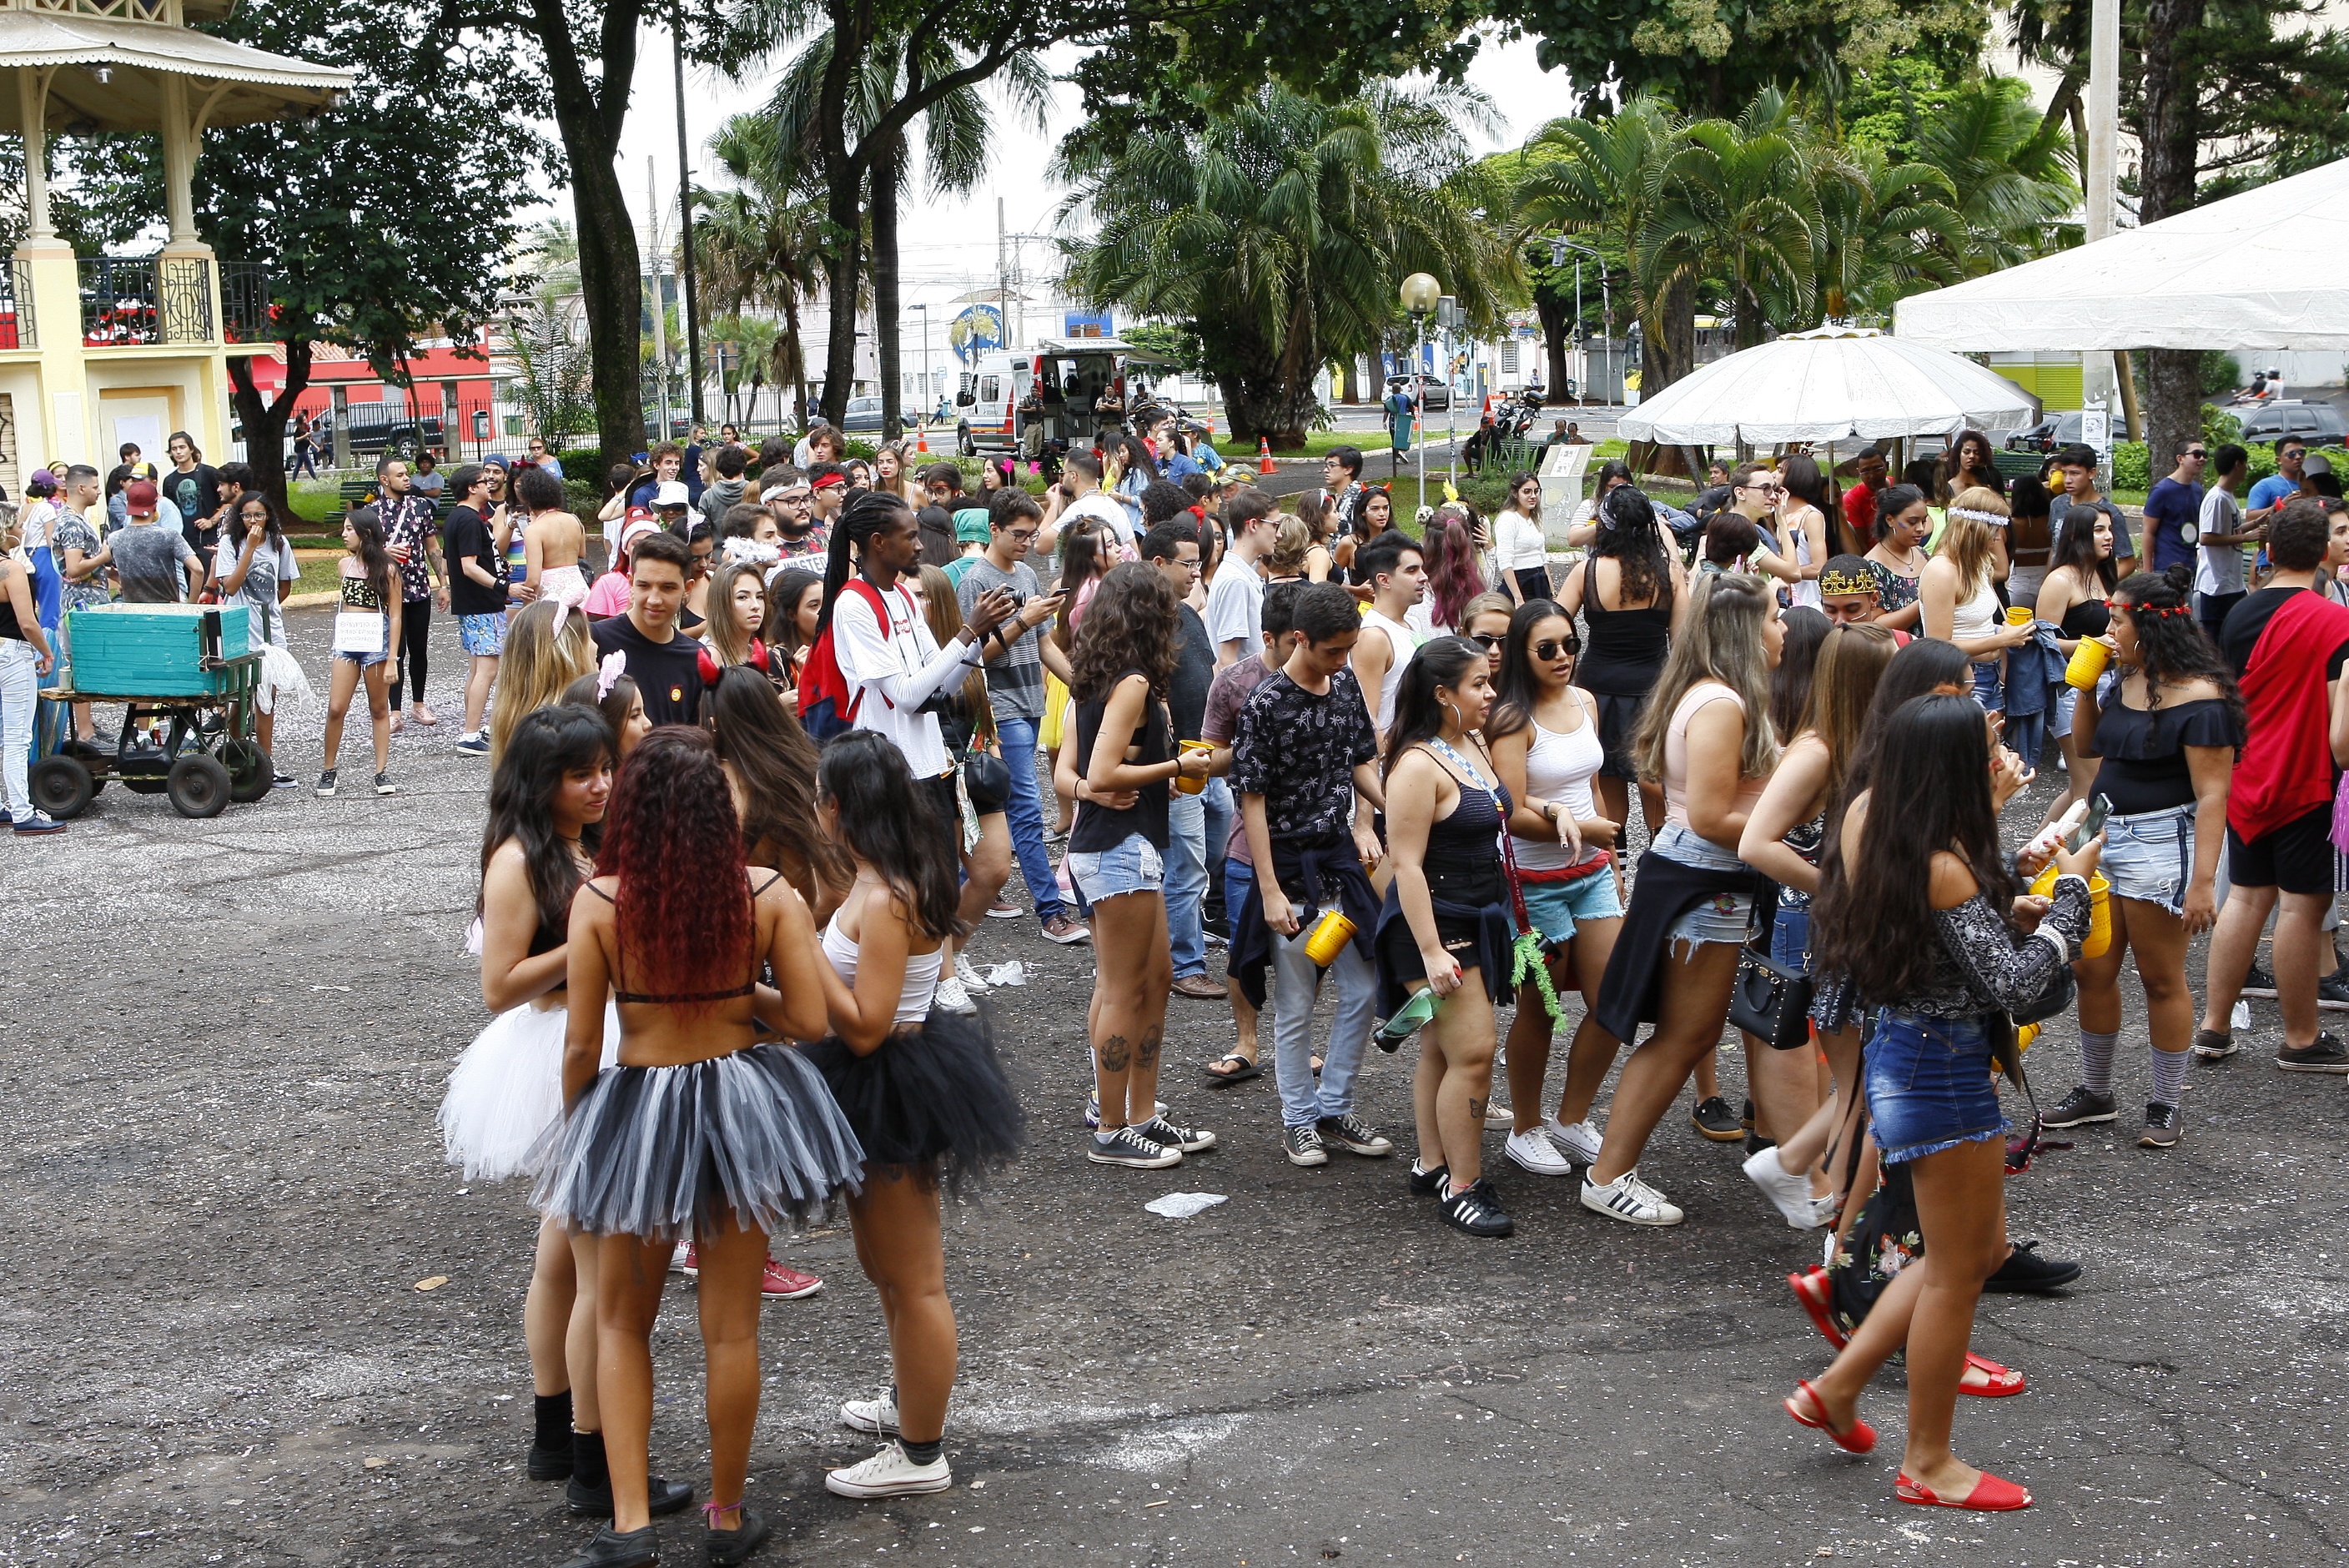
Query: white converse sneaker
[[1534, 1152], [889, 1473], [1789, 1191], [950, 997], [876, 1415], [1629, 1199], [968, 973], [1579, 1142]]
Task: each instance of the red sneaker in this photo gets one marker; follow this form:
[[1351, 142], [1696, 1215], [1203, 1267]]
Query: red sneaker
[[685, 1261], [787, 1284]]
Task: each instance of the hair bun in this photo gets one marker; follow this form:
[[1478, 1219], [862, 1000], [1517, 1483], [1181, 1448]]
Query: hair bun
[[2180, 578]]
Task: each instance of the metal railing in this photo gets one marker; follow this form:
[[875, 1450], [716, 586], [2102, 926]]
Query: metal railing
[[130, 301], [247, 314], [17, 307]]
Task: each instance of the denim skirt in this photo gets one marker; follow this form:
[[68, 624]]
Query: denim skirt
[[1929, 1084]]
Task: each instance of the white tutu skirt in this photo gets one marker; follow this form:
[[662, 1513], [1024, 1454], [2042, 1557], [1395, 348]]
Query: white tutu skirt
[[506, 1093], [562, 584]]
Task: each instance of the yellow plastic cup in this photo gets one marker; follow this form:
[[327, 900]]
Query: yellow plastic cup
[[2099, 940], [1330, 933], [2089, 662], [2018, 616], [1193, 786]]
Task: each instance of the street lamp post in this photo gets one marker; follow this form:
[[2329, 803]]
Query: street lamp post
[[929, 387], [1420, 293]]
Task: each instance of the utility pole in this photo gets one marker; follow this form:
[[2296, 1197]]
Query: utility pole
[[660, 311], [1002, 277], [684, 208]]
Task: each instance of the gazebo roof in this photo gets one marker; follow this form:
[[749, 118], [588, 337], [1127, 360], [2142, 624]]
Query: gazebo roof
[[229, 83]]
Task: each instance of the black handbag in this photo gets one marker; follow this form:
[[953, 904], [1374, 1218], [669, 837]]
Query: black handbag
[[987, 779], [1769, 1001]]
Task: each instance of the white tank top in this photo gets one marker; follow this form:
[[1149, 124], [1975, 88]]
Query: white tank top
[[921, 972], [1401, 646], [1800, 524], [1978, 616], [1558, 766]]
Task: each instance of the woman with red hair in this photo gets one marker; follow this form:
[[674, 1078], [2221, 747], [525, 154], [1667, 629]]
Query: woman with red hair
[[699, 1132], [1455, 572]]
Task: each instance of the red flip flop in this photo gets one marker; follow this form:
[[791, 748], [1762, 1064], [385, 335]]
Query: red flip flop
[[1860, 1438], [1811, 1288], [2004, 1382], [1990, 1495]]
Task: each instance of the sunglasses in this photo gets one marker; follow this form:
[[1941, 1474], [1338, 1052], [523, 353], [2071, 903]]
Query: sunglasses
[[1487, 640], [1548, 648]]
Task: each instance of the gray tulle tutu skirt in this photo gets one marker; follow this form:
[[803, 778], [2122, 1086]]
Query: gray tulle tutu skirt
[[755, 1138]]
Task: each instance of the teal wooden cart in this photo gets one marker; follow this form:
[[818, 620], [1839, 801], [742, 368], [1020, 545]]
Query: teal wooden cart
[[185, 668]]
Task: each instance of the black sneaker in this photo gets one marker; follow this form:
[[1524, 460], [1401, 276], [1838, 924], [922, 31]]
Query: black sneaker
[[726, 1547], [595, 1502], [1189, 1140], [1428, 1183], [2213, 1047], [2081, 1107], [1355, 1136], [1128, 1148], [384, 785], [551, 1464], [2163, 1125], [1755, 1143], [325, 789], [2333, 991], [611, 1549], [2257, 982], [1745, 1119], [2324, 1055], [1303, 1146], [2026, 1272], [1717, 1119], [1477, 1211]]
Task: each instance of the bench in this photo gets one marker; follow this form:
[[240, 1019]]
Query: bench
[[355, 493]]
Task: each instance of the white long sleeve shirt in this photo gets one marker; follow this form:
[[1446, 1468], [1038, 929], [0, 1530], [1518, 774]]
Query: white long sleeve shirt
[[896, 671]]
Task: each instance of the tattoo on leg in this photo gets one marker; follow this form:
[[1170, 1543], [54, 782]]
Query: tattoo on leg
[[1477, 1108], [1116, 1053], [1145, 1055]]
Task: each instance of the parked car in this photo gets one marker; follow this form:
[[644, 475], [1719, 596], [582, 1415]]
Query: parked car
[[377, 428], [1432, 391], [2320, 424], [862, 418], [2060, 430]]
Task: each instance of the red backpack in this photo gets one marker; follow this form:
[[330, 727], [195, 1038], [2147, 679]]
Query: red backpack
[[827, 707]]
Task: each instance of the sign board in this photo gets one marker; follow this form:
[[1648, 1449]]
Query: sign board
[[977, 330], [1087, 324], [2096, 427]]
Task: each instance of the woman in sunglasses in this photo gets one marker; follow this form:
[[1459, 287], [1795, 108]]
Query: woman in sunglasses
[[1544, 732], [1486, 620]]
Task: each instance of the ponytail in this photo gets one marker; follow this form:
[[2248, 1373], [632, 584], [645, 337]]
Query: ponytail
[[864, 517]]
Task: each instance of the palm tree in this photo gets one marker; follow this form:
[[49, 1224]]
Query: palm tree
[[1889, 229], [759, 242], [1602, 179], [2010, 167], [1740, 205], [1278, 232]]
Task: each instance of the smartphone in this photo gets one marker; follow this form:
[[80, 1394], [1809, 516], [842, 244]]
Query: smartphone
[[2098, 810]]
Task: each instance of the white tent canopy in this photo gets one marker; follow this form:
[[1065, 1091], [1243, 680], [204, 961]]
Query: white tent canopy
[[2268, 269], [1832, 384]]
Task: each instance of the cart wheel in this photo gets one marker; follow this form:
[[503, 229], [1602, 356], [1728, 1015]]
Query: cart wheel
[[62, 787], [199, 787], [249, 773]]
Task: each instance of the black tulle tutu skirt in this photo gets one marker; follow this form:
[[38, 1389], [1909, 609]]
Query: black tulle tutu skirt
[[931, 1100], [753, 1137]]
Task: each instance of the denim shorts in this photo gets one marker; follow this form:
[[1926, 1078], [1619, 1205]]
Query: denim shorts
[[1990, 689], [1134, 864], [1558, 908], [2150, 856], [1239, 876], [1724, 916], [483, 636], [1928, 1085], [1790, 938]]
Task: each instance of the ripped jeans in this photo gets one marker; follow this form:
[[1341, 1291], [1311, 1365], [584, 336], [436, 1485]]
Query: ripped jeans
[[1724, 916]]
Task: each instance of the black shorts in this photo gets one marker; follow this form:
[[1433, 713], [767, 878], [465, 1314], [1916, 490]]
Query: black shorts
[[944, 805], [2298, 857]]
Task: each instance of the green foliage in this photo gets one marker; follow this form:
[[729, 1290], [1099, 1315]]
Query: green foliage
[[2130, 471], [2219, 426], [556, 385], [1176, 343]]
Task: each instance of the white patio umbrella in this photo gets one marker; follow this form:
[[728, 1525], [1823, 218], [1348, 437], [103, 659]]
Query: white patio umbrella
[[1828, 384]]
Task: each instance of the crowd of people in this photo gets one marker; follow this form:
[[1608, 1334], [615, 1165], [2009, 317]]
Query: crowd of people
[[755, 786]]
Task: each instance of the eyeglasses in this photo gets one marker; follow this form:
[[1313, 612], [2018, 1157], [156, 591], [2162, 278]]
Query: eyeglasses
[[1548, 648], [1022, 534]]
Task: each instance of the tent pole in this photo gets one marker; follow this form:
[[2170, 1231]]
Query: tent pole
[[2129, 392]]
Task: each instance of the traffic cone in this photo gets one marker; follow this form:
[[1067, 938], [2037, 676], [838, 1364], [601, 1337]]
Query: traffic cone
[[1264, 454], [922, 439]]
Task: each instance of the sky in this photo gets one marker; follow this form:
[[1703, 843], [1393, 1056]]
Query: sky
[[950, 242]]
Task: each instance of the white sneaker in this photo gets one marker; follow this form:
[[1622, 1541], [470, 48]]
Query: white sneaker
[[968, 973], [951, 997], [1578, 1143], [1532, 1152], [889, 1473], [1629, 1199], [1789, 1191], [876, 1415]]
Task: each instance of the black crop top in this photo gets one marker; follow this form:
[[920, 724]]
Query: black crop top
[[2144, 767], [2088, 618], [686, 999], [1100, 829], [1463, 863]]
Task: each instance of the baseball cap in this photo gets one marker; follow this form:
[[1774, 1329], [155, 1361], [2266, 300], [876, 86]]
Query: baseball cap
[[138, 496], [672, 492]]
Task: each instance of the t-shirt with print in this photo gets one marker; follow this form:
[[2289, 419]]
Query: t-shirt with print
[[148, 559], [1299, 750], [1236, 607], [73, 532], [273, 563], [1221, 726], [196, 492], [668, 674], [408, 520], [1015, 681], [467, 537], [2169, 507]]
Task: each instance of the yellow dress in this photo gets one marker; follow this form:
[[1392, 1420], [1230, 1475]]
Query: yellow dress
[[1056, 704]]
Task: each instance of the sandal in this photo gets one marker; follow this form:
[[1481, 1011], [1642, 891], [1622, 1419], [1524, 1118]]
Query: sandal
[[1817, 1296], [1248, 1068], [1990, 1495], [1857, 1438], [1998, 1382]]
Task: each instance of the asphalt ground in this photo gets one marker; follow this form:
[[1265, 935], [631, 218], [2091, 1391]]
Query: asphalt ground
[[225, 1189]]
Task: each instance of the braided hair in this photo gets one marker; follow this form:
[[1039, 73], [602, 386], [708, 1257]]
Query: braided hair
[[870, 512], [2172, 647]]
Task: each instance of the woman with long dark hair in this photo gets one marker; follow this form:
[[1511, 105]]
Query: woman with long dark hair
[[698, 1131], [967, 721], [1634, 594], [1928, 927], [770, 767], [1811, 506], [1790, 682], [794, 603], [2029, 535], [1974, 463], [1445, 931], [1589, 515], [2074, 598], [920, 1088], [1544, 734], [366, 628], [1706, 739], [1125, 760], [547, 799], [612, 694], [1897, 556], [2168, 734], [256, 568]]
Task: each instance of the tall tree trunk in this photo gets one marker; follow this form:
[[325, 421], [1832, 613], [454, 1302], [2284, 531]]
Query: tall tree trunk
[[886, 173], [1677, 342], [589, 117], [1555, 325], [797, 349], [264, 420], [2169, 162]]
